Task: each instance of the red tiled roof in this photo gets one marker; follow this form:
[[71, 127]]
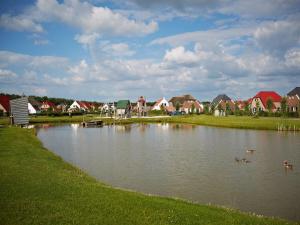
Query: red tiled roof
[[4, 101], [51, 104], [265, 95]]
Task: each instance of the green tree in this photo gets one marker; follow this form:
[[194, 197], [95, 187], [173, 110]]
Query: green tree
[[247, 107], [283, 106], [269, 104], [236, 109], [177, 106], [206, 109], [257, 107], [193, 108], [228, 109]]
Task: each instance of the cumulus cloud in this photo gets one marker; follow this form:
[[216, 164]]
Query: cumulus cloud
[[278, 37], [180, 56], [117, 49], [20, 23], [87, 18]]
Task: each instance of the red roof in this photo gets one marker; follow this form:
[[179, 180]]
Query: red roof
[[51, 104], [4, 101], [265, 95]]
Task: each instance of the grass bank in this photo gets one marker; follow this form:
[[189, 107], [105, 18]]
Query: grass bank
[[242, 122], [37, 187]]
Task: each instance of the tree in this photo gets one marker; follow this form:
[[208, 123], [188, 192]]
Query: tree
[[257, 107], [236, 108], [228, 109], [247, 107], [177, 106], [283, 106], [206, 109], [193, 108], [269, 104]]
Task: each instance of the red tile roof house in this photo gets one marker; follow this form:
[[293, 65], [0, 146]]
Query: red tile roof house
[[4, 105], [78, 105], [260, 101], [47, 105], [293, 100]]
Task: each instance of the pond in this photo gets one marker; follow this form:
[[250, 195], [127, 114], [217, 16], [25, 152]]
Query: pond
[[195, 163]]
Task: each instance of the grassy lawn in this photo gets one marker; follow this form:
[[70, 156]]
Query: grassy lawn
[[37, 187], [244, 122]]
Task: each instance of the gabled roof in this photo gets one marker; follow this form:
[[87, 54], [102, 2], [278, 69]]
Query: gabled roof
[[295, 91], [34, 103], [182, 99], [4, 101], [265, 95], [123, 104], [157, 102], [189, 105], [51, 104], [219, 98]]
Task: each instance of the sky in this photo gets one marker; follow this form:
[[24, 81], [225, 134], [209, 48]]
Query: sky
[[104, 50]]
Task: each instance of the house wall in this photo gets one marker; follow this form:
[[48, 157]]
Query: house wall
[[3, 109], [162, 102], [75, 106], [253, 105], [31, 109]]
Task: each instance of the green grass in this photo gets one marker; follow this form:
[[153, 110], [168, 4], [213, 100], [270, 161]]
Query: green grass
[[37, 187], [242, 122]]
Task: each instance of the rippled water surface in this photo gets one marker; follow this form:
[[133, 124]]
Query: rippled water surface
[[191, 162]]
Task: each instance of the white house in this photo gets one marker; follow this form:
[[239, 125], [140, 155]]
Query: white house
[[31, 109], [77, 105], [162, 102]]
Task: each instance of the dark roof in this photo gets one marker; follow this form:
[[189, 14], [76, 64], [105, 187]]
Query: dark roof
[[123, 104], [219, 98], [34, 102], [295, 91], [181, 99]]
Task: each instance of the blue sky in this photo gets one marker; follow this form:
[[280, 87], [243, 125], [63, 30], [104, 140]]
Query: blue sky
[[108, 50]]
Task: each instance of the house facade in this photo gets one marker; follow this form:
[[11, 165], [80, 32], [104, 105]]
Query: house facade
[[178, 101], [260, 102], [47, 105], [293, 100], [79, 106], [160, 103], [191, 106], [123, 109], [222, 105], [141, 106]]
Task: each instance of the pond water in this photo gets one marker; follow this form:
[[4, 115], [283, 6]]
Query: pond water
[[196, 163]]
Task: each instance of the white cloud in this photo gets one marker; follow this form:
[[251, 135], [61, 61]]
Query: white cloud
[[20, 23], [7, 74], [87, 39], [277, 37], [180, 56], [87, 18], [117, 49]]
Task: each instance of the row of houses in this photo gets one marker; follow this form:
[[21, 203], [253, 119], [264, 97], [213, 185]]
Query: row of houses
[[221, 105]]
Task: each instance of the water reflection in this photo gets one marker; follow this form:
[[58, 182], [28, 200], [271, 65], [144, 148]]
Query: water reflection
[[191, 162]]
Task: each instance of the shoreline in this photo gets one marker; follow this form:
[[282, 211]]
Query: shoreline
[[64, 183], [238, 122]]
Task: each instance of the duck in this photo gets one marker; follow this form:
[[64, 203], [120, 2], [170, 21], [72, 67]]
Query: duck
[[250, 151], [287, 165], [237, 159]]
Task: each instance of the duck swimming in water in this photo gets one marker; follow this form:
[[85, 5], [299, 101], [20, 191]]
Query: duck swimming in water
[[287, 165], [250, 151]]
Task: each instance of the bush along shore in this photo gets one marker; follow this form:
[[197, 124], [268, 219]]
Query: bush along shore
[[38, 187]]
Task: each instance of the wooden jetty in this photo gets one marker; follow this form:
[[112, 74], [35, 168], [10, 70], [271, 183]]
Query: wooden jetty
[[92, 123]]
